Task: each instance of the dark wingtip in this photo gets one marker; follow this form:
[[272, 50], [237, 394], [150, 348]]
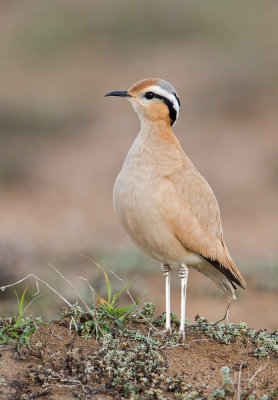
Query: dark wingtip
[[225, 271]]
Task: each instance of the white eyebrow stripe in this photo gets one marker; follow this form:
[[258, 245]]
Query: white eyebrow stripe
[[158, 90]]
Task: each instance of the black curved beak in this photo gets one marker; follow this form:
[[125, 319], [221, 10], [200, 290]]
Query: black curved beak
[[119, 93]]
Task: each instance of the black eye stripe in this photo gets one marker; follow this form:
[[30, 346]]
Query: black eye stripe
[[178, 100], [171, 108], [169, 104]]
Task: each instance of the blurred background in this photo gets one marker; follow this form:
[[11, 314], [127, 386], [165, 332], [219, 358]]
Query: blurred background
[[63, 143]]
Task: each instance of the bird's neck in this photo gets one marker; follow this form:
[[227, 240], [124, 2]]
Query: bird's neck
[[156, 149], [159, 130]]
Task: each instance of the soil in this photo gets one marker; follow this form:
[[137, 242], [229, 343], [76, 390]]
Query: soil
[[54, 366]]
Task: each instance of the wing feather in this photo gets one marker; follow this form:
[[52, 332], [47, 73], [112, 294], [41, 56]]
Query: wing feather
[[192, 211]]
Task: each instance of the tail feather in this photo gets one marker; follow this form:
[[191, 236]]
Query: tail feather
[[221, 280], [227, 272], [232, 267]]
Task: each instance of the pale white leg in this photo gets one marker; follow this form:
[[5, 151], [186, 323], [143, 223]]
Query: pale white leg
[[228, 313], [183, 275], [167, 275]]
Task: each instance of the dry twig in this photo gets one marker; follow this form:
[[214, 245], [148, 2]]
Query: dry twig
[[260, 369]]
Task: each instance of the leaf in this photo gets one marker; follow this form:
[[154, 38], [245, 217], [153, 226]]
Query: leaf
[[4, 329], [105, 275], [127, 308], [22, 300], [123, 289], [21, 315], [100, 300]]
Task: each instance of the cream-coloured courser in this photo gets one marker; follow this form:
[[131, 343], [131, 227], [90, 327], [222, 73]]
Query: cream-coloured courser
[[162, 201]]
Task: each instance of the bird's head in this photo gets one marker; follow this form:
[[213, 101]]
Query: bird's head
[[153, 99]]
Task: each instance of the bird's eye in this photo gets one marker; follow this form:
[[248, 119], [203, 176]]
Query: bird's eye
[[149, 95]]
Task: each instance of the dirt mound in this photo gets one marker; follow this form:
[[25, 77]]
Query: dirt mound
[[138, 361]]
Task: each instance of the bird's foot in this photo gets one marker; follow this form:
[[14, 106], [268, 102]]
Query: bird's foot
[[182, 336], [167, 331]]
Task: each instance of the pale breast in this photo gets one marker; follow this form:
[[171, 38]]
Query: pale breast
[[137, 203]]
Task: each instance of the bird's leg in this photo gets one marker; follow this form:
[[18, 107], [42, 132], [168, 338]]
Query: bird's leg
[[183, 274], [167, 275], [228, 313]]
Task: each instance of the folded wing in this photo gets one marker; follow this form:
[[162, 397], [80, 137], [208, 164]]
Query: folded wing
[[191, 210]]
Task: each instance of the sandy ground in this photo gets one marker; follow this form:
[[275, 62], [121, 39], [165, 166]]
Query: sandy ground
[[55, 368]]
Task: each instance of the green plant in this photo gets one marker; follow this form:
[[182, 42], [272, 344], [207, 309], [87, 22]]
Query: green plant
[[106, 313], [110, 307], [249, 391], [17, 330], [227, 390], [227, 333], [131, 363], [148, 312]]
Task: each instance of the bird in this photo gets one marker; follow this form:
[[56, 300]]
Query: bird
[[164, 204]]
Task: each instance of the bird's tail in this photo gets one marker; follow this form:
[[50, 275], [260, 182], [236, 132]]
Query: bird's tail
[[236, 276], [221, 280]]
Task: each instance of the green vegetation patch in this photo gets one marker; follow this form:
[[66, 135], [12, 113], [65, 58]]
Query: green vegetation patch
[[227, 333]]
